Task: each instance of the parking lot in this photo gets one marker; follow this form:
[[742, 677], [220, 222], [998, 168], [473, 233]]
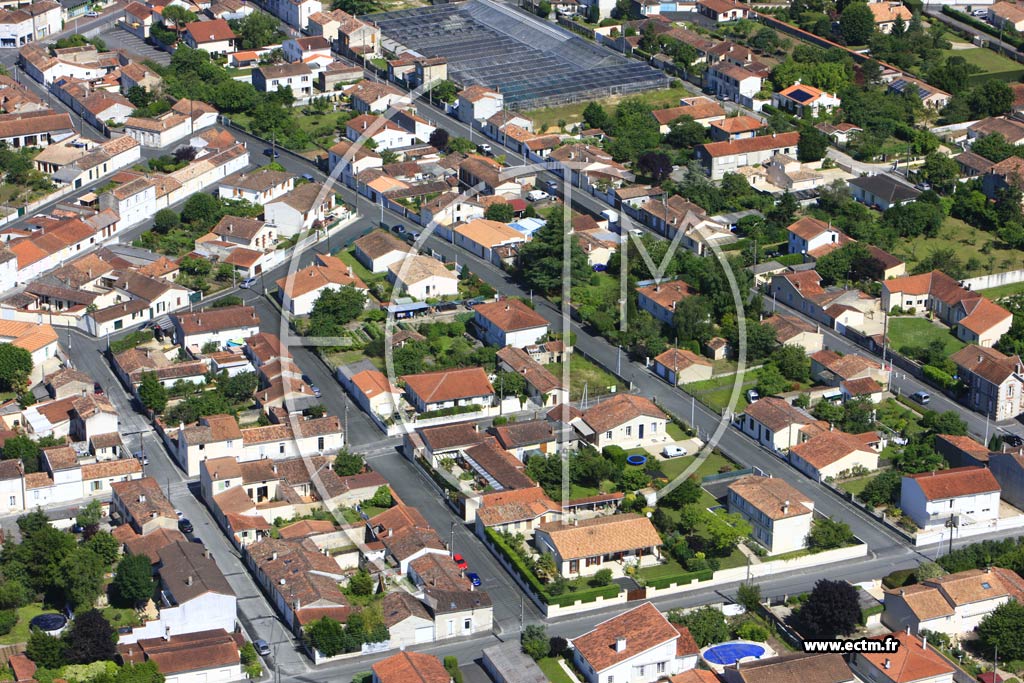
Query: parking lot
[[119, 39]]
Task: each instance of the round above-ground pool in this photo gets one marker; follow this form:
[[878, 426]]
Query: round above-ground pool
[[636, 460], [724, 654], [49, 623]]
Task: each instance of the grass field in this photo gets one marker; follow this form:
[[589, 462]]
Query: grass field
[[907, 332], [981, 252], [992, 64], [573, 113], [20, 632], [584, 373], [996, 293], [553, 670], [714, 462], [855, 486]]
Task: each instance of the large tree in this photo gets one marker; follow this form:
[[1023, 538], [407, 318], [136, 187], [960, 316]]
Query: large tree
[[829, 533], [256, 30], [813, 144], [707, 625], [541, 264], [857, 23], [23, 448], [327, 636], [81, 577], [133, 581], [831, 610], [46, 651], [152, 392], [1002, 629], [15, 367], [90, 639], [334, 309]]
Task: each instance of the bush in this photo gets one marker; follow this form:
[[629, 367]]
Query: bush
[[602, 577], [751, 630], [451, 665], [8, 618], [131, 341], [680, 579], [939, 377]]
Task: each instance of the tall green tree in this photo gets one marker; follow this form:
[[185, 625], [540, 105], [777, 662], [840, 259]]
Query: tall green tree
[[334, 309], [857, 23], [152, 392], [45, 651], [541, 265], [256, 30], [15, 367], [133, 581], [707, 625], [1002, 629], [831, 610], [23, 448], [90, 639], [327, 636]]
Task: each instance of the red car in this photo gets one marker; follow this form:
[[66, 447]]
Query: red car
[[460, 561]]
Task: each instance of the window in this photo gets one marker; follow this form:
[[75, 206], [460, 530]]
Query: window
[[94, 486], [660, 667], [320, 443], [467, 625], [629, 431], [13, 501], [202, 446], [280, 448], [607, 435], [654, 427]]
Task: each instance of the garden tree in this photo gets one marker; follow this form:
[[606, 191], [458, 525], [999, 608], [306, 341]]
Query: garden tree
[[23, 448], [461, 145], [81, 579], [535, 642], [546, 567], [382, 498], [147, 672], [32, 522], [540, 260], [347, 463], [361, 583], [89, 516], [446, 91], [602, 577], [166, 220], [232, 97], [655, 165], [686, 493], [761, 340], [90, 639], [919, 456], [991, 98], [851, 262], [139, 96], [439, 139], [692, 319], [509, 384], [133, 581], [782, 214], [327, 636], [749, 595], [15, 367], [1002, 629], [858, 416], [13, 594], [178, 16], [595, 116], [238, 387], [634, 130], [685, 133], [543, 9], [952, 74], [105, 546], [993, 147], [633, 479], [928, 570], [500, 211], [793, 362], [707, 625], [770, 380], [152, 392], [831, 610], [827, 533], [46, 651], [334, 309], [913, 219], [644, 337], [201, 210], [255, 31], [813, 144], [948, 422], [724, 531]]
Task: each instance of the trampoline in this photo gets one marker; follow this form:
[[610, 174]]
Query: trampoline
[[636, 460], [725, 654]]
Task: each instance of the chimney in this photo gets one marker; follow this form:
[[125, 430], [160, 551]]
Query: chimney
[[924, 643], [273, 556], [206, 553], [142, 498], [188, 580], [281, 581], [903, 592], [785, 507], [620, 644], [887, 664]]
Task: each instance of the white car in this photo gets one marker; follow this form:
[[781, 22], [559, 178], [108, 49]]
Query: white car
[[979, 13], [673, 451], [537, 195]]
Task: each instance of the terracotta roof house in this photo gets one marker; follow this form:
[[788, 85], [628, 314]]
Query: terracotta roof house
[[142, 504], [430, 391], [887, 12], [969, 495], [962, 451], [378, 250], [520, 509], [912, 662], [795, 331], [780, 515], [994, 381], [794, 666], [625, 420], [410, 667], [831, 454], [217, 325], [660, 298], [300, 290], [423, 277], [953, 604], [830, 368], [682, 366], [509, 322], [774, 422], [580, 548], [189, 656], [639, 640]]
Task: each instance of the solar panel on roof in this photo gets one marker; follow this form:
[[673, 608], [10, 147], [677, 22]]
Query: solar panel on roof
[[801, 96]]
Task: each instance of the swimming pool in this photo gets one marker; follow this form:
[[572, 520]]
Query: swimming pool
[[725, 654]]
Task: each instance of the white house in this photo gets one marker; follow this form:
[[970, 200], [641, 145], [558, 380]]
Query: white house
[[638, 646], [965, 495], [423, 277], [829, 454], [305, 207], [20, 25], [202, 657], [780, 515], [729, 80], [509, 322], [682, 366], [774, 423], [299, 291], [378, 250], [719, 158], [430, 391], [477, 104], [258, 187], [215, 36], [374, 393], [799, 98], [912, 659], [625, 420], [218, 325], [584, 546]]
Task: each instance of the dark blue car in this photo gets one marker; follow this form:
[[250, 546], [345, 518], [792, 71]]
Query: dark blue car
[[474, 578]]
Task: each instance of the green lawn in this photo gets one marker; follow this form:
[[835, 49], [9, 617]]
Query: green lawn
[[992, 64], [981, 252], [996, 293], [553, 670], [20, 633], [121, 616], [856, 486], [573, 113], [715, 461], [674, 431], [670, 568], [584, 373], [358, 268], [918, 332]]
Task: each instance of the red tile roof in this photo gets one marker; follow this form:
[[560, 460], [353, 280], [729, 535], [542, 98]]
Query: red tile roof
[[959, 481]]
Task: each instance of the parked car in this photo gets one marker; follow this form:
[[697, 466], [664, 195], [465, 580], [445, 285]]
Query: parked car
[[77, 528], [262, 648], [551, 186], [92, 14], [673, 451], [398, 228], [142, 457], [308, 177], [314, 388], [921, 397], [460, 561], [272, 153], [247, 282], [1012, 440], [473, 578], [185, 526], [484, 149], [97, 388], [537, 195], [979, 13], [752, 395]]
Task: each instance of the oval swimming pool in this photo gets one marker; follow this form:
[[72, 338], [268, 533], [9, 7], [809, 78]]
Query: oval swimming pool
[[731, 652]]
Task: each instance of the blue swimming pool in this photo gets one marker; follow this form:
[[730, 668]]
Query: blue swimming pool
[[733, 651]]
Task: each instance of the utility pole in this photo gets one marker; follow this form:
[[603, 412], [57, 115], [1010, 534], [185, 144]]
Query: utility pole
[[618, 361], [451, 546]]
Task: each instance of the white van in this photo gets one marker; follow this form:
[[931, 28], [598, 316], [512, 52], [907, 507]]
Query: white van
[[537, 195], [611, 216]]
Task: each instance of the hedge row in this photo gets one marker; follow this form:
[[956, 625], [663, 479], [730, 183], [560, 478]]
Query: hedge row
[[680, 579], [586, 595]]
